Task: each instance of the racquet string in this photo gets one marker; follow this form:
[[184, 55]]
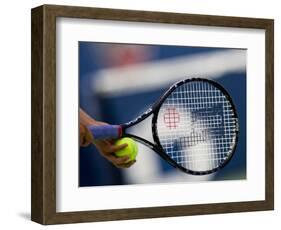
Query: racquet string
[[196, 126]]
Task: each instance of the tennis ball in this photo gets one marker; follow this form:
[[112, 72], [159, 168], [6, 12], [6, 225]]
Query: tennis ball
[[131, 150]]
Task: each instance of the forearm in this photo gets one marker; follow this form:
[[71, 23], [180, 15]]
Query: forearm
[[85, 119]]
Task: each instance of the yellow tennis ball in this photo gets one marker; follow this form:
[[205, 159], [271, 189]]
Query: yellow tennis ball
[[131, 150]]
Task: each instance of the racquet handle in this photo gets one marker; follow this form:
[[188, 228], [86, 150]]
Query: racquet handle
[[105, 131]]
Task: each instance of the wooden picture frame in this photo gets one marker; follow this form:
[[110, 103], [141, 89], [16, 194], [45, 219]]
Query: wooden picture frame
[[43, 208]]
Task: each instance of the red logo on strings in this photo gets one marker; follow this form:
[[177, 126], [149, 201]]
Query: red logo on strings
[[171, 118]]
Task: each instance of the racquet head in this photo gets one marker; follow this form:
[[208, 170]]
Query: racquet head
[[196, 126]]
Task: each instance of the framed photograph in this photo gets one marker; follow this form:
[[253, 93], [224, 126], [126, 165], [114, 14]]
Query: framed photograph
[[140, 114]]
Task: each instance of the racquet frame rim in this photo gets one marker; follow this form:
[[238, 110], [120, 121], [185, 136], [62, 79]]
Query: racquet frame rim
[[157, 147]]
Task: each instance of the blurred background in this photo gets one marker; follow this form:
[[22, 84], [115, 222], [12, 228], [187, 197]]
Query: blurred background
[[117, 82]]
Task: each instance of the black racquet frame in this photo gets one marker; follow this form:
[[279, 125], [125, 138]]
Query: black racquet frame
[[154, 109]]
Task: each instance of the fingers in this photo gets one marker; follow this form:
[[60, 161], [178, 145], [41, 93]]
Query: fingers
[[81, 135], [83, 141], [116, 148], [126, 165], [118, 160], [129, 164], [121, 162], [107, 149]]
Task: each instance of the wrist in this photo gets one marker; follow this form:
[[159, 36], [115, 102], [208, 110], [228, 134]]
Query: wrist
[[88, 122]]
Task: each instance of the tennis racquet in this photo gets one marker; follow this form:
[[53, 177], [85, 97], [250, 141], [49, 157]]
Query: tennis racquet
[[194, 126]]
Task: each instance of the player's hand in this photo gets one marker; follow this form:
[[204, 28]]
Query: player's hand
[[106, 147], [85, 138]]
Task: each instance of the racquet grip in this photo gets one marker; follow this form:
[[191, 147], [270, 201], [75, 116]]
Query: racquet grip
[[105, 131]]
